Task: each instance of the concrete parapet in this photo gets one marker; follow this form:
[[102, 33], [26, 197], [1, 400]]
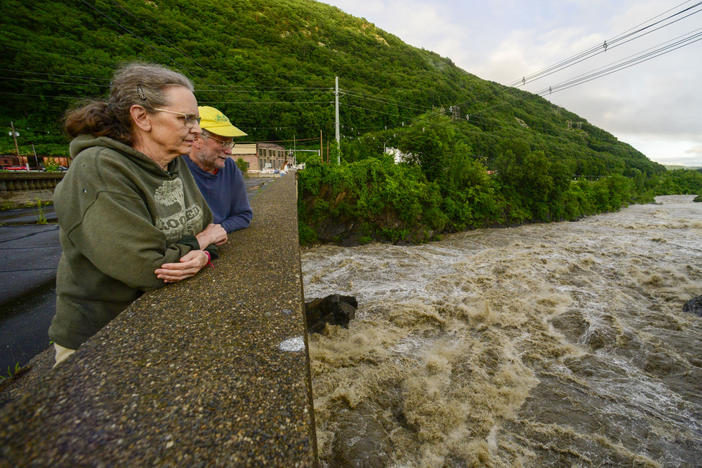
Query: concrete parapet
[[213, 371], [21, 188]]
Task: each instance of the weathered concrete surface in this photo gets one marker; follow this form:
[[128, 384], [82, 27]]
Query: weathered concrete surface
[[18, 189], [189, 375], [29, 255]]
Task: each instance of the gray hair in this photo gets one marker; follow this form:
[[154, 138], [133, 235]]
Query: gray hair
[[138, 83]]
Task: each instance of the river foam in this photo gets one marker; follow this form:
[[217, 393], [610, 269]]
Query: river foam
[[541, 345]]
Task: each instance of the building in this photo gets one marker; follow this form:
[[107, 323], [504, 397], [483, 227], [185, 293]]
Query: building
[[247, 152], [34, 162], [9, 160], [262, 156]]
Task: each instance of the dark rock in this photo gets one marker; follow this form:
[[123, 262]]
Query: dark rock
[[694, 306], [360, 441], [334, 309], [331, 230]]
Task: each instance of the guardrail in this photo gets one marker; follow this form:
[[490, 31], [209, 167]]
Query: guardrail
[[210, 371]]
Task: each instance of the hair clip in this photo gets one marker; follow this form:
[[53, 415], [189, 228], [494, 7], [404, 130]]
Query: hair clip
[[140, 92]]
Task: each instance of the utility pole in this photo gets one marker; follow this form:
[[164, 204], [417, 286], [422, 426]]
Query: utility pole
[[338, 137], [14, 137], [36, 160]]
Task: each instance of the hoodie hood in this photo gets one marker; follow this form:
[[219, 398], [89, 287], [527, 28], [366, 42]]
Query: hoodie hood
[[83, 142]]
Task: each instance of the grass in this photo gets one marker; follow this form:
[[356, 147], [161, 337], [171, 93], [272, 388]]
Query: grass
[[12, 374], [41, 217]]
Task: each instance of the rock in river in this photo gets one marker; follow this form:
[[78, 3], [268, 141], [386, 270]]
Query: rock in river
[[694, 306], [335, 309]]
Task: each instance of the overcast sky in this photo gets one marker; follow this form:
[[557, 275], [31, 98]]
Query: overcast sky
[[655, 106]]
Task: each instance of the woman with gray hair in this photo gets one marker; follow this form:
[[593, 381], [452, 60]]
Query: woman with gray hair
[[131, 217]]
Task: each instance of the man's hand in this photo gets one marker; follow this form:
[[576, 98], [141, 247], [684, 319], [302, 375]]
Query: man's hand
[[189, 265], [212, 234]]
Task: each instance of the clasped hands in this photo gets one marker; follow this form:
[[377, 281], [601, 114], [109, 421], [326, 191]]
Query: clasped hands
[[195, 260]]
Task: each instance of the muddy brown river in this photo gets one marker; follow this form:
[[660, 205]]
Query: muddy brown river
[[559, 344]]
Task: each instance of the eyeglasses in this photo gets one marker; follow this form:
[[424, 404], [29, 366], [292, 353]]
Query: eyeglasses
[[226, 145], [189, 119]]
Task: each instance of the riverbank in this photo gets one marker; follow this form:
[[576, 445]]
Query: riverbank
[[377, 200]]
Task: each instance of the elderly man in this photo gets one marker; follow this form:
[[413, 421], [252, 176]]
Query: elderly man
[[216, 174]]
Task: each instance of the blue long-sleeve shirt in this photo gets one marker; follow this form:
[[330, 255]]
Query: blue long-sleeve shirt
[[225, 193]]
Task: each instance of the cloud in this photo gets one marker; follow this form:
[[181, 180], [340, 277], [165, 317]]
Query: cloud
[[667, 149], [654, 104]]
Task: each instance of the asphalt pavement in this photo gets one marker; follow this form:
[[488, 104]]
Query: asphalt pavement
[[29, 255]]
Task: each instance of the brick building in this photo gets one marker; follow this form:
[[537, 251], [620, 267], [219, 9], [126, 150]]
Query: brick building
[[262, 156]]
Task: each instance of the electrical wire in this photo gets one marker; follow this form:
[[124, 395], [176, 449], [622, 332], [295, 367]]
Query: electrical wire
[[608, 44], [53, 96], [181, 52], [266, 102], [603, 51], [382, 100], [84, 2], [371, 110], [649, 54], [36, 80]]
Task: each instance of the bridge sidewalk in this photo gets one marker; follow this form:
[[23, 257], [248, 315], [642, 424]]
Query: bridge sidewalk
[[211, 371]]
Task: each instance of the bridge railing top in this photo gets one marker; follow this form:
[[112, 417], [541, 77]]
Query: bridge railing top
[[213, 370]]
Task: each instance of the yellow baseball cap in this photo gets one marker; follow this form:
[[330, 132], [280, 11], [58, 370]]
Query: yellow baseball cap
[[215, 122]]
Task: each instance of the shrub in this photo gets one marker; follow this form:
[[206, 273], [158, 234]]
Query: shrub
[[243, 166]]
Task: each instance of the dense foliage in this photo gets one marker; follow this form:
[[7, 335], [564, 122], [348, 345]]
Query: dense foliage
[[470, 177], [270, 65]]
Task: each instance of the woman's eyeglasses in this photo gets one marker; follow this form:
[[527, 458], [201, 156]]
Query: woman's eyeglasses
[[189, 119]]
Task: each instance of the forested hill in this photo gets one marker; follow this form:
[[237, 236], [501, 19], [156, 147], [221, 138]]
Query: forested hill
[[270, 65]]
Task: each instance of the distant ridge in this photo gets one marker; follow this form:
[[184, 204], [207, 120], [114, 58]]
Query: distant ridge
[[672, 167]]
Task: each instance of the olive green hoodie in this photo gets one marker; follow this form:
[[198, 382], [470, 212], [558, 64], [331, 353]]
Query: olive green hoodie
[[121, 217]]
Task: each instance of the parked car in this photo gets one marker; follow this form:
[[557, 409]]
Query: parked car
[[14, 168]]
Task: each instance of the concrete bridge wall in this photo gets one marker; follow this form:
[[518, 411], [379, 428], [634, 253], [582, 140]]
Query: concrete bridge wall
[[21, 188], [213, 371]]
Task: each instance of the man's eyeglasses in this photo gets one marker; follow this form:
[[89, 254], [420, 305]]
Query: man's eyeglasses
[[226, 145], [189, 119]]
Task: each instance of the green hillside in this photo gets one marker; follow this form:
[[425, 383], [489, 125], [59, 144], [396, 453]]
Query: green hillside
[[270, 65], [477, 153]]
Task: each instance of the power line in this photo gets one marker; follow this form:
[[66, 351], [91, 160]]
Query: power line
[[657, 51], [127, 29], [54, 96], [61, 55], [377, 99], [372, 110], [292, 90], [36, 80], [276, 141], [106, 83], [608, 44], [161, 37], [266, 102]]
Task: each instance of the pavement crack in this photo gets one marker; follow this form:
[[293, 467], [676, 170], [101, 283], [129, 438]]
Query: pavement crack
[[27, 236]]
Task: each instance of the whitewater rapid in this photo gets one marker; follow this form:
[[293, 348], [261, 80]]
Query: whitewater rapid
[[560, 344]]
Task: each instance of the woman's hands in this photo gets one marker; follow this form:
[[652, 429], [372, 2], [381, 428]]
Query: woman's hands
[[212, 234], [193, 261], [189, 265]]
